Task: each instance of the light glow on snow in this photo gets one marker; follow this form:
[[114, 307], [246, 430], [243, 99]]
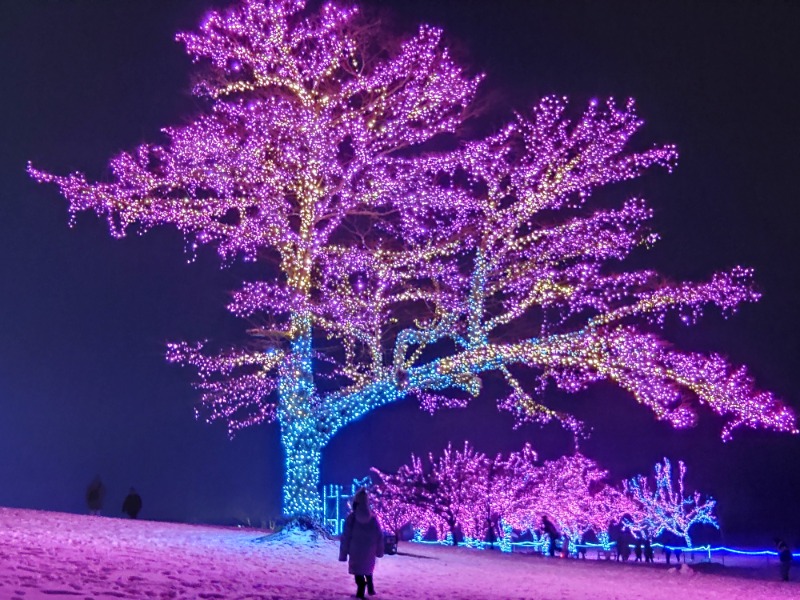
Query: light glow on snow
[[46, 555]]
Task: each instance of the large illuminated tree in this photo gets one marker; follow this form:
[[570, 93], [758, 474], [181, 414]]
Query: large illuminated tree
[[393, 268]]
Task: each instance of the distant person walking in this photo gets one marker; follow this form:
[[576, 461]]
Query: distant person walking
[[785, 556], [362, 542], [132, 504], [637, 550], [95, 494], [648, 551], [623, 548], [667, 553], [552, 533]]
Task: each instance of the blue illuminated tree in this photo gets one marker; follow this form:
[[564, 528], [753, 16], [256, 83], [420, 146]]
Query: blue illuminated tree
[[665, 508]]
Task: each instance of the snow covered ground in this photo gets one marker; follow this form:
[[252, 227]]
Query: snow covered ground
[[47, 555]]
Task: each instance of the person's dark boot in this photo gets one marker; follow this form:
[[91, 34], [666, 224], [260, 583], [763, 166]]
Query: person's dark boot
[[370, 586], [361, 582]]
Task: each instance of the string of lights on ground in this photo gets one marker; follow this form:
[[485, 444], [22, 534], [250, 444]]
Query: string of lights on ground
[[706, 549]]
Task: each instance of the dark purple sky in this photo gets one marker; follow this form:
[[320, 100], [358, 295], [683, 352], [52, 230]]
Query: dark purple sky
[[84, 388]]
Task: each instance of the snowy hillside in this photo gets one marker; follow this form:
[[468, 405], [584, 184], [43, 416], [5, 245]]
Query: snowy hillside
[[47, 555]]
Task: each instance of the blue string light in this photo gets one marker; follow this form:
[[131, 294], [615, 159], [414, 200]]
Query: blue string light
[[589, 545]]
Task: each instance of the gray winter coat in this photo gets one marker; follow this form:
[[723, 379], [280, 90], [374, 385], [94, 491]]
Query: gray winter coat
[[362, 540]]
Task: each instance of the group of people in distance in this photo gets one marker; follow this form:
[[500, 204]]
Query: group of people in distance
[[643, 548], [95, 495]]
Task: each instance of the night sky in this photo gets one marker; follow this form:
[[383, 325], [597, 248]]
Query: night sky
[[85, 389]]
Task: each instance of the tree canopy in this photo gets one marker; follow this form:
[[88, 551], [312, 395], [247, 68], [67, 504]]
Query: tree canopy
[[401, 257]]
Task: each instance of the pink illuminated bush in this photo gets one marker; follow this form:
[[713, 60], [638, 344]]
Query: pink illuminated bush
[[465, 494]]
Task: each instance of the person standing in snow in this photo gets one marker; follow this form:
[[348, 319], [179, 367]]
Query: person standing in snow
[[132, 504], [552, 533], [648, 551], [362, 542], [623, 548], [785, 556], [94, 496], [637, 550]]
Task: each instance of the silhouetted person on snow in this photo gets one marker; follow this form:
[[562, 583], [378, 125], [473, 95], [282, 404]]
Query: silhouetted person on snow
[[94, 496], [362, 541], [552, 533], [667, 553], [623, 548], [637, 550], [648, 551], [785, 556], [132, 504]]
